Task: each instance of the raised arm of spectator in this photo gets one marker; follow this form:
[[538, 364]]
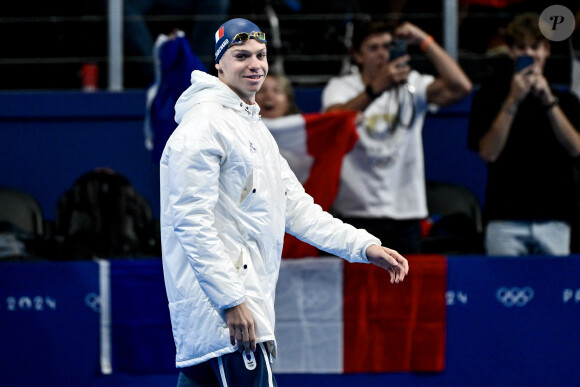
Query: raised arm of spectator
[[564, 130], [451, 84], [528, 80], [493, 142], [389, 75]]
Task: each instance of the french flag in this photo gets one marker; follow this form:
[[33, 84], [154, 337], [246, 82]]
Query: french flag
[[338, 317], [219, 34]]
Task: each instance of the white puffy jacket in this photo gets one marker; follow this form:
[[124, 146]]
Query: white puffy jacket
[[227, 196]]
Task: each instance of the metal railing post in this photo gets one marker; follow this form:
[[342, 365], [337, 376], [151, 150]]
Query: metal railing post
[[115, 45], [278, 64], [450, 26]]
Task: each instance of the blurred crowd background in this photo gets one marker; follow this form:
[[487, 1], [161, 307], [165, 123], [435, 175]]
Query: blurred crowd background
[[46, 44]]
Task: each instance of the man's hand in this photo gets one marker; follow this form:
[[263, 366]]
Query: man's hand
[[541, 89], [521, 84], [410, 33], [391, 74], [241, 325], [390, 260]]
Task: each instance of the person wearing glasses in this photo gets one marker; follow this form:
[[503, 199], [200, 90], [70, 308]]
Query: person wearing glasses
[[382, 186], [227, 197], [528, 134]]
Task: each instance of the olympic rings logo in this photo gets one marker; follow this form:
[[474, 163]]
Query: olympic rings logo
[[514, 296], [93, 301]]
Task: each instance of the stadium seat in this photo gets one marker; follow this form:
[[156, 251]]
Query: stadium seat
[[454, 225]]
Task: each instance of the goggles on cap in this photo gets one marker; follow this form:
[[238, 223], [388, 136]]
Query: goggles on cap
[[243, 37]]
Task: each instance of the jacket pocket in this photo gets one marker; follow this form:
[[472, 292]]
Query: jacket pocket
[[241, 264], [248, 191]]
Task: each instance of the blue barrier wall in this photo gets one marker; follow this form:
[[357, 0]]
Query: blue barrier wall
[[510, 322], [48, 139]]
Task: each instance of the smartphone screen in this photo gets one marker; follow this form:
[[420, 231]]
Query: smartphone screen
[[523, 62], [397, 48]]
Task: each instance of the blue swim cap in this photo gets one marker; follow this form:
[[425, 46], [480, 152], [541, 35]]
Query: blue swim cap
[[225, 34]]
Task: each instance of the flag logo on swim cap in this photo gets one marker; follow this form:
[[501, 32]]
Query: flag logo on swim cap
[[219, 34], [225, 34]]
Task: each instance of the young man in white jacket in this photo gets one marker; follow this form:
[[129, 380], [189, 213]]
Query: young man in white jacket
[[227, 197]]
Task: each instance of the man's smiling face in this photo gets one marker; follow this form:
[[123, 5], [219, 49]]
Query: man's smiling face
[[243, 68]]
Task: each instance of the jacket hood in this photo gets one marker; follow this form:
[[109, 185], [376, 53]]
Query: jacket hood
[[207, 88]]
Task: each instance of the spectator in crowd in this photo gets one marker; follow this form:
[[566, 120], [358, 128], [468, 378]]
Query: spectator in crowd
[[527, 132], [276, 97], [227, 196], [382, 185]]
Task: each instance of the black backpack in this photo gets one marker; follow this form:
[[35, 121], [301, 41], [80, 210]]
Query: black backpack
[[103, 216]]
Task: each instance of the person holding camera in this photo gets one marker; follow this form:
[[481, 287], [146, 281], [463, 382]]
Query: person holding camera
[[527, 132], [382, 186]]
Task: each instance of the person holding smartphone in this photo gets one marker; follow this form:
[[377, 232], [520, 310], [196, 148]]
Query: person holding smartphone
[[527, 132], [382, 186]]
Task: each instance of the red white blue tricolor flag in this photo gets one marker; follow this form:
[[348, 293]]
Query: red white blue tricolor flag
[[219, 33]]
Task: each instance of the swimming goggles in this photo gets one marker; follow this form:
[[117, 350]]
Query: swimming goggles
[[243, 37]]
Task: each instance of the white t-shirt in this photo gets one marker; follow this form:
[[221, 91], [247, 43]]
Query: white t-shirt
[[384, 175]]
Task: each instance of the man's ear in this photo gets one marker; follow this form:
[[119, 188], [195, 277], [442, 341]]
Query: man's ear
[[219, 68], [356, 56]]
